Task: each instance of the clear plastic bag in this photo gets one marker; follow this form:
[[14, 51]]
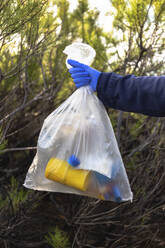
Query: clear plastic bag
[[77, 151], [80, 52]]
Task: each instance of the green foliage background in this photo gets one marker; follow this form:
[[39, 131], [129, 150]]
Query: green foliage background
[[34, 81]]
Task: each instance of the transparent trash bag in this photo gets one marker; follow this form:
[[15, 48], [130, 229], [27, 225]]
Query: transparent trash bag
[[77, 150]]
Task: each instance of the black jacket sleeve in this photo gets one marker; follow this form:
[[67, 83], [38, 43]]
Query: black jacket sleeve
[[144, 94]]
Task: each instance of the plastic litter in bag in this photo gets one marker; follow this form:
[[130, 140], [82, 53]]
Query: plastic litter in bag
[[77, 150]]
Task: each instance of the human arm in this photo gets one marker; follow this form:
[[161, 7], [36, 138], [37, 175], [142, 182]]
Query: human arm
[[144, 94]]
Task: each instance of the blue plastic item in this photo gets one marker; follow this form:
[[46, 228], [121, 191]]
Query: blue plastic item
[[102, 180], [83, 74], [111, 190], [116, 193], [73, 160]]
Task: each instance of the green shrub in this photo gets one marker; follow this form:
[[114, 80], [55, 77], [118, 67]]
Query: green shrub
[[58, 239], [15, 195]]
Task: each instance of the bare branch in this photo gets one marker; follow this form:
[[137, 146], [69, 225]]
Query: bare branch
[[18, 149], [36, 98]]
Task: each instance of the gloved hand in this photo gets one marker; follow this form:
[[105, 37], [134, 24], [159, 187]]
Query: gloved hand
[[83, 74]]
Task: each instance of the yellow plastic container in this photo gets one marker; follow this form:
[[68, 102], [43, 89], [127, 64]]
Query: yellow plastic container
[[60, 171]]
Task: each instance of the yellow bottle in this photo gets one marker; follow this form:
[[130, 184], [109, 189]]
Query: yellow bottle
[[60, 171]]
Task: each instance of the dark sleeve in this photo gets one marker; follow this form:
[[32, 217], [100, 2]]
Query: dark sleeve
[[145, 94]]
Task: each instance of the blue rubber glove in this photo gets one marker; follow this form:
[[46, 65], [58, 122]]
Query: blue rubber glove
[[83, 74]]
